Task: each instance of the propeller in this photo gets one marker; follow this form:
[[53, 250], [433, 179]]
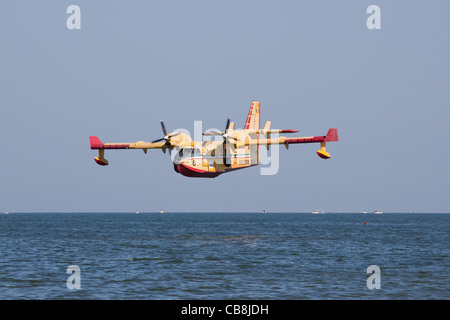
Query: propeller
[[219, 133], [166, 137], [225, 136]]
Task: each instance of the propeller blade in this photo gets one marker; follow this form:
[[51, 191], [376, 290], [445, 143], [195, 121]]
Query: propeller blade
[[213, 133], [226, 159], [166, 138], [163, 128], [174, 134], [226, 153]]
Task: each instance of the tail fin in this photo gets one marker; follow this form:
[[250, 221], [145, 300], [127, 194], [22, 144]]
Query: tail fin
[[253, 117]]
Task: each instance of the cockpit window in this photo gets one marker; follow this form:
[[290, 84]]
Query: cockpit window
[[186, 152]]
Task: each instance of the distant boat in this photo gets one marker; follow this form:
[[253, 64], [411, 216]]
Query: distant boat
[[317, 212], [160, 211], [264, 211], [378, 212], [5, 212], [137, 212], [363, 211]]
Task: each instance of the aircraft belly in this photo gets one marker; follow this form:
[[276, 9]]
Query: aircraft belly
[[189, 171]]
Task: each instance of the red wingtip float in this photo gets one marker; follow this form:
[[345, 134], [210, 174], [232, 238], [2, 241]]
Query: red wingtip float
[[238, 148]]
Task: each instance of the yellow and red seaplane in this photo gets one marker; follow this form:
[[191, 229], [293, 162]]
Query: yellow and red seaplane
[[236, 150]]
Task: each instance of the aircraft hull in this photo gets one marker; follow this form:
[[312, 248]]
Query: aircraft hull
[[192, 172]]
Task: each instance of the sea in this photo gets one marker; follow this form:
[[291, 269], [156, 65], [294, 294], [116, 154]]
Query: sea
[[224, 256]]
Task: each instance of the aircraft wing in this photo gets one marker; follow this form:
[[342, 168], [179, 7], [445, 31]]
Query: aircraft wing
[[96, 143], [331, 136]]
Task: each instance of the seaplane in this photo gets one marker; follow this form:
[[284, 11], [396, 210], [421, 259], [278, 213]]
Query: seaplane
[[236, 149]]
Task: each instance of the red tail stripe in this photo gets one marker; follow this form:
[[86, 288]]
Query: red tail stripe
[[247, 123]]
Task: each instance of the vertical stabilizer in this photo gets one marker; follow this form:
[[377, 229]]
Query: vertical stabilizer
[[252, 121]]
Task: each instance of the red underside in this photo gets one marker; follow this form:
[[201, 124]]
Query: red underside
[[189, 172]]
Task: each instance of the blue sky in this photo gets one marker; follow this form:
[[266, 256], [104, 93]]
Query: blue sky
[[312, 65]]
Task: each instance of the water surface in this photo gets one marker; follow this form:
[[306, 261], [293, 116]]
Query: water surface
[[224, 255]]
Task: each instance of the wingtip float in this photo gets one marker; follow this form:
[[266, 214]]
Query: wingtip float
[[239, 148]]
